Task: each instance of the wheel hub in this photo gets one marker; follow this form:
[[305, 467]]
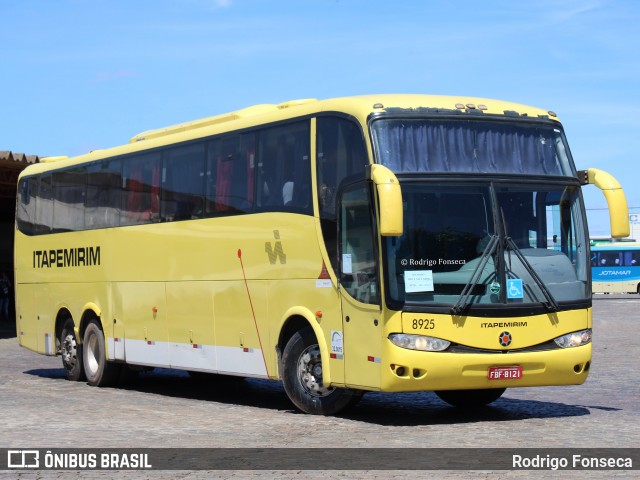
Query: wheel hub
[[310, 372], [69, 352]]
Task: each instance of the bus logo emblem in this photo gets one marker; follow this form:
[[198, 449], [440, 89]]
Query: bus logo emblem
[[505, 339], [276, 253]]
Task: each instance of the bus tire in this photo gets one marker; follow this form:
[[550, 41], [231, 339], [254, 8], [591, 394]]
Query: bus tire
[[302, 378], [470, 398], [71, 353], [99, 371]]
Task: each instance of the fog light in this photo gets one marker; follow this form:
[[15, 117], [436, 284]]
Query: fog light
[[419, 342], [574, 339]]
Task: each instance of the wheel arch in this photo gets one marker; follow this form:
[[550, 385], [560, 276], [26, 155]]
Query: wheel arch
[[90, 312], [294, 320]]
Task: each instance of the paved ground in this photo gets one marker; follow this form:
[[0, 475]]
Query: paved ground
[[165, 409]]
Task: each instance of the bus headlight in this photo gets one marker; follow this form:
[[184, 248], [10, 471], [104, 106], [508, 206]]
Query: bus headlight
[[574, 339], [419, 342]]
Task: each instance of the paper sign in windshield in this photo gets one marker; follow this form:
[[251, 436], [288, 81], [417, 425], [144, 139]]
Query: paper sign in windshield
[[347, 263], [418, 281]]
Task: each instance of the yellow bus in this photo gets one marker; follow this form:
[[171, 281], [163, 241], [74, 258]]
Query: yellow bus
[[376, 243]]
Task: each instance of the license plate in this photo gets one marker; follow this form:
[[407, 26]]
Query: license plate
[[505, 373]]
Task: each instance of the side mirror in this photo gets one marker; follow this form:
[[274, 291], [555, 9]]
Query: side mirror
[[616, 200], [389, 200]]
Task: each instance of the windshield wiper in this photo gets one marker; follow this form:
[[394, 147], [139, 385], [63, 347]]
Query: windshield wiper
[[463, 302], [551, 303]]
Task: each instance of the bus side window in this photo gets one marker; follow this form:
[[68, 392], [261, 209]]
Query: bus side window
[[141, 179], [231, 185], [44, 206], [248, 159], [284, 169], [68, 200], [183, 178], [104, 193], [340, 153], [357, 247], [211, 178], [26, 211]]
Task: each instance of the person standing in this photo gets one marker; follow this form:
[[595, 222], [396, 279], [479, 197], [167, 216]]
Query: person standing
[[5, 297]]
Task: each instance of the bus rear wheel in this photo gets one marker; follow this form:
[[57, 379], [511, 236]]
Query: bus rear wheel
[[302, 378], [71, 352], [99, 371], [470, 398]]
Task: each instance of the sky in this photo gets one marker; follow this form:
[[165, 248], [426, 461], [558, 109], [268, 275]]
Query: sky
[[80, 75]]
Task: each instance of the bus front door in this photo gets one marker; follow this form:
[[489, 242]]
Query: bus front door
[[360, 291]]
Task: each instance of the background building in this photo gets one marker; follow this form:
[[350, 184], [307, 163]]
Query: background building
[[11, 164]]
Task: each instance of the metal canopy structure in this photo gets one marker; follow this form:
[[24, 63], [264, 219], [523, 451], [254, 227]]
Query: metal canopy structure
[[11, 164]]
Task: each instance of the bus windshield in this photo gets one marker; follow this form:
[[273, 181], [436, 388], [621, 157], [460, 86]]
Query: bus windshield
[[489, 242], [471, 146]]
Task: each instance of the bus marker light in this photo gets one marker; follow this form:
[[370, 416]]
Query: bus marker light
[[324, 273], [319, 314]]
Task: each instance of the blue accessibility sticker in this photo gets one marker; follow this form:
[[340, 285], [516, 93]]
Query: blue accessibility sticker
[[515, 288]]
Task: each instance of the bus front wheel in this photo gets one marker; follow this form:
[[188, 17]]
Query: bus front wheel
[[470, 398], [71, 352], [99, 371], [302, 378]]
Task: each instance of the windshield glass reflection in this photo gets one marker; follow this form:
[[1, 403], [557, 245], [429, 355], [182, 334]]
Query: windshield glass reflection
[[466, 245]]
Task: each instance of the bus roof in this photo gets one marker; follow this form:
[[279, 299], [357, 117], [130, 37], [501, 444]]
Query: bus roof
[[358, 106]]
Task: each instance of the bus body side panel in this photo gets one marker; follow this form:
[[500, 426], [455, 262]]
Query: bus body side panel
[[317, 302], [30, 302], [191, 325], [140, 306], [55, 272], [241, 344]]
